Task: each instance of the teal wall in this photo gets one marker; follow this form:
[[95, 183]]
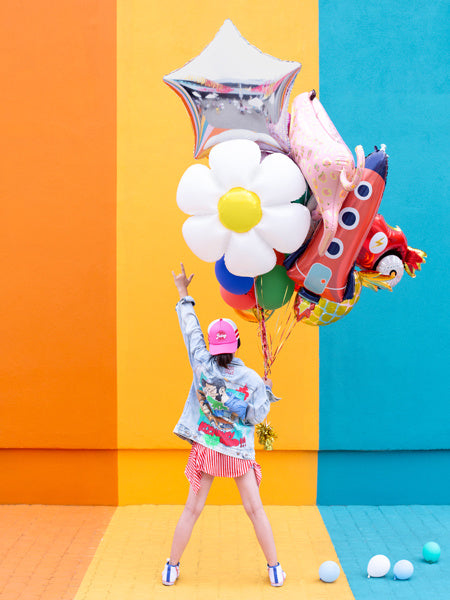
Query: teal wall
[[380, 478], [384, 368]]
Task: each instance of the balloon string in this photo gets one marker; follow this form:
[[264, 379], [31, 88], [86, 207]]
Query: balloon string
[[292, 324], [289, 323], [266, 347], [282, 336], [286, 314], [285, 302], [271, 345], [262, 330]]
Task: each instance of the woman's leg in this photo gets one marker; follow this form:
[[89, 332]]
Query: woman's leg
[[193, 508], [249, 491]]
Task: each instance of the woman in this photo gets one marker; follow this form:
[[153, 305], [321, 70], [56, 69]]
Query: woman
[[225, 402]]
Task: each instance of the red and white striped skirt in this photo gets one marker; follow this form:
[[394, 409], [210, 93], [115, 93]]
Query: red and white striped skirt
[[205, 460]]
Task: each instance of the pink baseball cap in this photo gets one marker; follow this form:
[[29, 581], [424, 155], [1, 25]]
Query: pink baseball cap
[[223, 337]]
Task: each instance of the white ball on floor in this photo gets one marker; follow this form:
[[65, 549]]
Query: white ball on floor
[[329, 571], [403, 569], [378, 566]]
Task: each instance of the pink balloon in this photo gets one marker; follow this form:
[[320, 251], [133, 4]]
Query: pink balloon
[[324, 159]]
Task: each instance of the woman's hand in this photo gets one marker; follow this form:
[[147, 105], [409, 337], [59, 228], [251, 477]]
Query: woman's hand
[[182, 282], [267, 382]]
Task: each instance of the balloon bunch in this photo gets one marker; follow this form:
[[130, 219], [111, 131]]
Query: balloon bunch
[[287, 216]]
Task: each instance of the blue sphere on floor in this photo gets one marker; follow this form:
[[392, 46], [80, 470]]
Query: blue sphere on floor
[[329, 571], [431, 552], [403, 569]]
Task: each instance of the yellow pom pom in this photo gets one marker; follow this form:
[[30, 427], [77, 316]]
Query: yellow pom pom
[[266, 435]]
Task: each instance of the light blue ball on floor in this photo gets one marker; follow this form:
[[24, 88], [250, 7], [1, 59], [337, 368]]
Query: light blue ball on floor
[[431, 552], [329, 571], [403, 569]]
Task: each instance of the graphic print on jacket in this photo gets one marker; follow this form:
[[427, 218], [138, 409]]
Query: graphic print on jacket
[[217, 423]]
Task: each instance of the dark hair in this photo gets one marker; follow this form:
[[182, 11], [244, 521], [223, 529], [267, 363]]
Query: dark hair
[[223, 360]]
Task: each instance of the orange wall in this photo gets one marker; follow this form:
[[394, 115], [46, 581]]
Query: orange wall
[[58, 476], [57, 224]]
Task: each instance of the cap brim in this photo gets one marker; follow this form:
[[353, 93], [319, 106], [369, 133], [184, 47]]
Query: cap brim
[[216, 349]]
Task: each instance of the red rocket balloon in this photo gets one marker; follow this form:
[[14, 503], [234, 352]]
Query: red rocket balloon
[[327, 276]]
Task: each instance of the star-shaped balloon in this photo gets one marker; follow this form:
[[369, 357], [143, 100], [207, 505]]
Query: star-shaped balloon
[[233, 90]]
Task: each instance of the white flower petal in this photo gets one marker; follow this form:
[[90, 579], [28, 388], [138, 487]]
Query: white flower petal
[[206, 237], [284, 227], [278, 180], [198, 191], [248, 255], [234, 163]]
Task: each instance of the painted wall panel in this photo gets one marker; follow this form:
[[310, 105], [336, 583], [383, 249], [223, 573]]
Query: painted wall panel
[[157, 477], [404, 477], [57, 224], [155, 146], [383, 79], [55, 476]]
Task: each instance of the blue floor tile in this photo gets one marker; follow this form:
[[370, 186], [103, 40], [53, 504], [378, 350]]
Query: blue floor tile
[[399, 532]]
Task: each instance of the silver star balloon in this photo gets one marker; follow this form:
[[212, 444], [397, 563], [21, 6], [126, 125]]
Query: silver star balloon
[[233, 90]]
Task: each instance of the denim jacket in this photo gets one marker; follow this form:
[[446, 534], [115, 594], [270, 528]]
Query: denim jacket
[[205, 418]]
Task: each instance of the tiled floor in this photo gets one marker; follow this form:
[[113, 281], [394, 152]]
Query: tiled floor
[[106, 553], [223, 559], [399, 532], [46, 550]]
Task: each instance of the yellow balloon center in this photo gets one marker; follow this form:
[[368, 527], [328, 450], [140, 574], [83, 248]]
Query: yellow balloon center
[[239, 210]]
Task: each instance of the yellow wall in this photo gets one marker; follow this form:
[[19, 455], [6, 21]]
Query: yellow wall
[[157, 477], [154, 147]]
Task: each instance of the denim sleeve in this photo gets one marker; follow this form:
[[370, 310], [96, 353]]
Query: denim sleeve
[[259, 404], [192, 332]]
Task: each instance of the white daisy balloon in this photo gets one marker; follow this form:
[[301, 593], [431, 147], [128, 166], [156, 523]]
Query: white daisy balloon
[[242, 207]]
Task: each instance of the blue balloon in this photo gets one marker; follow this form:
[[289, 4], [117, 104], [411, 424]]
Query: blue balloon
[[403, 569], [329, 571], [232, 283]]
